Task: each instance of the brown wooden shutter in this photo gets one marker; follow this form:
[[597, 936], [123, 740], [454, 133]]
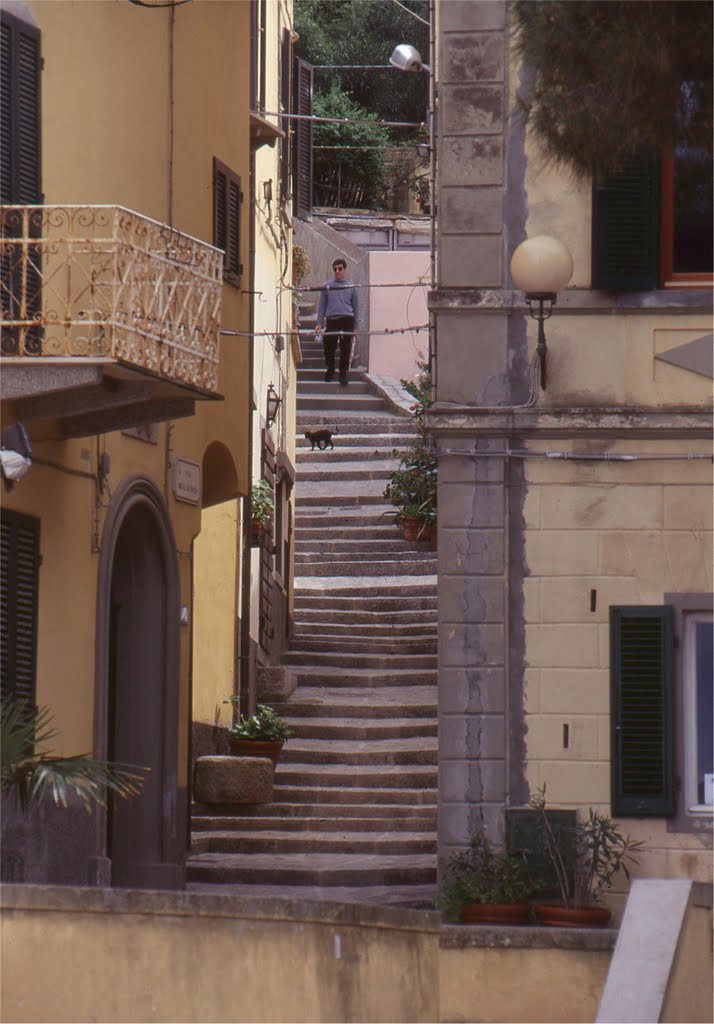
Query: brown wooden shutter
[[286, 63], [227, 199], [19, 580], [20, 158], [302, 188], [20, 176]]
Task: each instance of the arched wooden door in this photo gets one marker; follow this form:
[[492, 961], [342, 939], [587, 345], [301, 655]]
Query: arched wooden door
[[145, 838]]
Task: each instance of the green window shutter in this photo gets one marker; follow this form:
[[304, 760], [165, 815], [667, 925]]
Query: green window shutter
[[19, 580], [625, 227], [641, 710]]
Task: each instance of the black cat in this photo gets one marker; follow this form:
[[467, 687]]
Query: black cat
[[321, 438]]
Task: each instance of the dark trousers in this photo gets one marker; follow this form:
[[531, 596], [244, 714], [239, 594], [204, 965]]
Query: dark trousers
[[338, 330]]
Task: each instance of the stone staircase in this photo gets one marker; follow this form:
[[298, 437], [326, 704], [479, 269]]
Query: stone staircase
[[354, 816]]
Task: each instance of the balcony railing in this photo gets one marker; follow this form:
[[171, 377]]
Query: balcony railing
[[103, 283]]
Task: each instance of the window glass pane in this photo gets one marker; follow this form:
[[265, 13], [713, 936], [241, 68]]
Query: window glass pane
[[704, 640], [693, 184]]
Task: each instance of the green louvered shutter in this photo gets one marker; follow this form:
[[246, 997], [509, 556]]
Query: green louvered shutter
[[625, 227], [641, 710]]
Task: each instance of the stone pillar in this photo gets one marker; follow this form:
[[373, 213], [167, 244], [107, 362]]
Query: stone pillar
[[480, 363]]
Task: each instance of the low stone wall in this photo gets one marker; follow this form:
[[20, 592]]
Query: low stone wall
[[124, 955]]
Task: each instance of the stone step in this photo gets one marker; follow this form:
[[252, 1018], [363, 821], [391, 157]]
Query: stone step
[[353, 776], [301, 751], [350, 703], [382, 596], [375, 469], [357, 645], [346, 402], [326, 543], [368, 624], [364, 424], [323, 818], [313, 869], [360, 728], [369, 661], [352, 493], [385, 551], [321, 388], [414, 567], [406, 797], [347, 448], [324, 517], [406, 897], [354, 678], [316, 842]]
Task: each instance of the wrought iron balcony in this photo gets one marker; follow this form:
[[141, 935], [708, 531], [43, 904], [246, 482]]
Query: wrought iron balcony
[[115, 299]]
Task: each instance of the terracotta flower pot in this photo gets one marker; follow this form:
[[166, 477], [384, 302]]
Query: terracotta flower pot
[[495, 913], [413, 528], [256, 748], [572, 917], [256, 531]]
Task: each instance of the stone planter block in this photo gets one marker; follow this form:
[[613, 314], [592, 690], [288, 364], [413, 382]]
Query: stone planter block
[[219, 779]]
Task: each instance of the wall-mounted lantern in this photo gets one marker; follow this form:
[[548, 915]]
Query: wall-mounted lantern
[[272, 405], [541, 267]]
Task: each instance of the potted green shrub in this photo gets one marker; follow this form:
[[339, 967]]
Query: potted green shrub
[[485, 884], [585, 858], [262, 509], [260, 735], [412, 485]]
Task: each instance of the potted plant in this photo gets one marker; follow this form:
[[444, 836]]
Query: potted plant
[[261, 735], [585, 858], [262, 509], [487, 885], [412, 485]]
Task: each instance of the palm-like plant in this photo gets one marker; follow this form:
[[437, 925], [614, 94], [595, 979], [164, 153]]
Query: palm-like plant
[[29, 768]]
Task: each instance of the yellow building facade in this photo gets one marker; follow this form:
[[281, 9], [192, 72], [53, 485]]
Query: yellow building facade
[[129, 287], [575, 514]]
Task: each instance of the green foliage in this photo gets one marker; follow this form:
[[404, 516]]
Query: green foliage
[[607, 77], [412, 485], [362, 32], [585, 857], [301, 263], [357, 174], [30, 769], [366, 32], [262, 506], [265, 724], [484, 874]]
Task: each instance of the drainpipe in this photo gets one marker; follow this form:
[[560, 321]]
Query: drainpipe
[[244, 674]]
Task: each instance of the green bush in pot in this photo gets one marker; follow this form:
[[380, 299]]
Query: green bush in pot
[[489, 876]]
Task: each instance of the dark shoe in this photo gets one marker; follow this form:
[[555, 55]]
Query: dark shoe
[[343, 382], [329, 376]]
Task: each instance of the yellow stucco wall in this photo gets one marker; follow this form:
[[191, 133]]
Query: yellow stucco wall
[[631, 532], [133, 114], [508, 984], [215, 613]]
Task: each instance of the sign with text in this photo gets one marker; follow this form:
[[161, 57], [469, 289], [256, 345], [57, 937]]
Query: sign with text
[[187, 481]]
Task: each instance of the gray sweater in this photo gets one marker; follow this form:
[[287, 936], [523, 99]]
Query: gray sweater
[[339, 298]]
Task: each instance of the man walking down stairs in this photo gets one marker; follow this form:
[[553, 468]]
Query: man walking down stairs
[[354, 815]]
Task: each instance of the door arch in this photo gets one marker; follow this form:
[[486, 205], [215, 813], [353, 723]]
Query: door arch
[[137, 713]]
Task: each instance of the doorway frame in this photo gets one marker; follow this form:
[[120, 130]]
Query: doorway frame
[[133, 491]]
